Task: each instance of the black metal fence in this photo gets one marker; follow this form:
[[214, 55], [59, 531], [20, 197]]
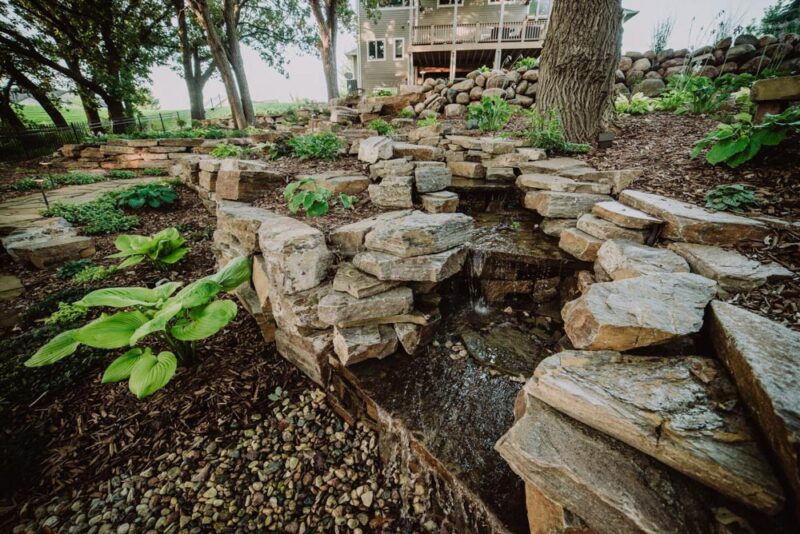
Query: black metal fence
[[17, 145]]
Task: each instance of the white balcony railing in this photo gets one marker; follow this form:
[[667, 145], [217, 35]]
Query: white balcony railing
[[482, 32]]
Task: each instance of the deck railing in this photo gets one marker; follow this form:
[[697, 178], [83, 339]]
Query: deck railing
[[481, 32]]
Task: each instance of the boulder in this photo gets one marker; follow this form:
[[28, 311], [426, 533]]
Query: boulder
[[651, 87], [391, 167], [349, 238], [297, 313], [740, 53], [622, 259], [375, 148], [454, 111], [680, 410], [642, 64], [238, 224], [440, 202], [414, 337], [761, 356], [44, 247], [418, 152], [420, 234], [393, 192], [494, 92], [359, 343], [638, 312], [746, 38], [562, 205], [337, 307], [531, 75], [358, 283], [783, 88], [427, 268], [309, 353], [464, 86], [550, 182], [732, 271], [579, 244], [554, 227], [431, 176], [603, 229], [244, 181], [624, 216], [341, 182]]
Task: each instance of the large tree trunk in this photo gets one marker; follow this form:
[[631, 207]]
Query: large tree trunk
[[89, 103], [579, 59], [116, 115], [235, 56], [36, 92], [201, 10], [191, 64], [327, 22], [9, 117]]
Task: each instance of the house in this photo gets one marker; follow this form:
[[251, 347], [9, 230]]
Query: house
[[415, 39]]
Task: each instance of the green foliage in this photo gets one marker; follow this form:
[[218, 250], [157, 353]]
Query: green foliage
[[177, 320], [638, 104], [383, 92], [73, 267], [406, 113], [740, 141], [545, 131], [483, 69], [95, 273], [527, 63], [121, 174], [153, 195], [430, 120], [781, 18], [491, 114], [163, 249], [730, 196], [52, 181], [67, 314], [225, 150], [192, 133], [381, 127], [155, 171], [323, 145], [101, 216], [312, 198], [660, 34]]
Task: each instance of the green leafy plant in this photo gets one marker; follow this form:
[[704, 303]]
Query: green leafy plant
[[95, 273], [177, 320], [67, 314], [406, 113], [381, 127], [740, 141], [430, 120], [73, 267], [121, 174], [312, 198], [527, 62], [383, 92], [323, 145], [638, 104], [100, 216], [545, 131], [155, 171], [52, 181], [163, 248], [730, 196], [153, 195], [225, 150], [491, 114], [483, 69]]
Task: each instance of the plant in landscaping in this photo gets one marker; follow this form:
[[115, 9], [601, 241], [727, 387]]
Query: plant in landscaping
[[491, 114], [638, 104], [73, 267], [66, 314], [178, 321], [430, 120], [162, 249], [153, 195], [52, 181], [383, 92], [730, 196], [483, 69], [381, 127], [660, 34], [406, 113], [121, 174], [741, 141], [100, 216], [527, 63], [312, 198], [225, 150], [545, 131], [324, 145], [95, 273], [155, 171]]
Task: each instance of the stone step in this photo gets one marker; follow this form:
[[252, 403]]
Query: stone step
[[599, 479], [624, 216], [562, 205], [348, 239], [46, 251], [426, 268], [622, 259], [617, 180], [733, 271], [579, 244], [550, 182], [553, 165], [603, 229], [682, 411], [638, 312], [337, 308], [420, 234], [393, 192], [440, 202], [762, 357], [693, 224], [554, 227]]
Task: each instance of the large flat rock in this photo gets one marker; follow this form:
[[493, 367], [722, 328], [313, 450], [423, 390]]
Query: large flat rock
[[349, 238], [638, 312], [238, 224], [764, 359], [598, 478], [297, 313], [309, 353], [419, 234], [353, 345], [43, 250], [603, 229], [554, 166], [679, 410], [550, 182], [337, 307], [562, 205], [393, 192], [579, 244], [693, 224], [427, 268], [357, 283], [625, 216], [432, 176], [623, 259]]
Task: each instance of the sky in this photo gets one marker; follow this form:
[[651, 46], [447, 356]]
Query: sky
[[692, 22]]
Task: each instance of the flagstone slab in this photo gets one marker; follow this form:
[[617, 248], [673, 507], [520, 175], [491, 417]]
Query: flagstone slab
[[625, 216], [337, 308], [622, 259], [562, 205], [358, 283], [419, 234], [549, 182], [603, 229], [427, 268]]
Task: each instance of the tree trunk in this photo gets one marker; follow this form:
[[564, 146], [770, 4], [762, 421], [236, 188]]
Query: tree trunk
[[196, 107], [235, 56], [191, 64], [201, 11], [36, 92], [579, 59], [9, 117], [116, 114], [327, 23], [89, 104]]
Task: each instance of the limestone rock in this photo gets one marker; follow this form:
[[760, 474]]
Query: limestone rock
[[680, 410], [375, 148], [43, 250], [693, 224], [732, 270], [467, 169], [341, 182], [466, 142], [532, 154], [298, 313], [624, 216], [357, 283], [349, 238], [337, 308], [309, 353], [414, 337], [393, 192], [502, 174], [427, 268], [602, 229], [579, 244], [244, 180], [391, 167], [550, 182], [10, 287], [353, 345], [440, 202], [238, 224], [762, 357], [554, 227], [420, 234], [638, 312], [561, 205], [622, 259], [618, 179], [497, 145], [432, 176], [418, 152], [553, 166]]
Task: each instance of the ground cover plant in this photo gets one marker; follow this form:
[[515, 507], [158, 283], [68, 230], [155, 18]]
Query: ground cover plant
[[121, 174], [491, 114], [101, 216], [176, 320], [315, 200], [53, 181], [525, 63], [638, 104], [324, 145], [430, 120], [162, 249], [153, 195], [155, 171], [93, 273], [381, 127], [406, 113], [730, 197], [225, 150], [545, 131]]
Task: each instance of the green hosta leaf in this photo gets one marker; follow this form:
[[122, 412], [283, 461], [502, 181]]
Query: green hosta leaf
[[290, 189], [157, 323], [726, 149], [136, 202], [122, 297], [174, 256], [317, 209], [346, 200], [297, 201], [168, 234], [308, 200], [152, 373], [120, 368], [772, 137], [205, 321], [234, 274], [111, 331], [166, 290], [57, 348], [131, 244], [131, 261], [197, 293]]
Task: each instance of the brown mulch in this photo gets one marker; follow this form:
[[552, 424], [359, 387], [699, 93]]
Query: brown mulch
[[293, 166]]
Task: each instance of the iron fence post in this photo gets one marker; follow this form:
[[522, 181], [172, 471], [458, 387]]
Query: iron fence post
[[163, 128]]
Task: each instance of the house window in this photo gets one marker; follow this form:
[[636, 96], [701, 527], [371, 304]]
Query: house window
[[540, 8], [399, 49], [376, 50], [449, 3]]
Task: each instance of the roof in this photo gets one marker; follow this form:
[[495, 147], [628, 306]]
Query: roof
[[628, 14]]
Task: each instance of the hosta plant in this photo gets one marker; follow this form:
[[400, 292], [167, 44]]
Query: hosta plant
[[163, 248], [638, 104], [153, 195], [159, 316], [312, 198], [730, 196], [527, 62], [491, 114], [323, 145]]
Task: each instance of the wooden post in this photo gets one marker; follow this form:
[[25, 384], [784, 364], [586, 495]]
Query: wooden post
[[455, 31], [498, 52]]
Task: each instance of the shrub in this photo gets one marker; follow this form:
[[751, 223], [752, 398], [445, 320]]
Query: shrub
[[638, 104], [101, 216], [406, 113], [733, 196], [545, 131], [73, 267], [95, 273], [741, 141], [66, 314], [527, 63], [491, 114], [194, 313], [153, 195], [155, 171], [383, 92], [430, 120], [324, 145], [312, 198], [162, 249], [381, 127], [225, 150], [121, 174]]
